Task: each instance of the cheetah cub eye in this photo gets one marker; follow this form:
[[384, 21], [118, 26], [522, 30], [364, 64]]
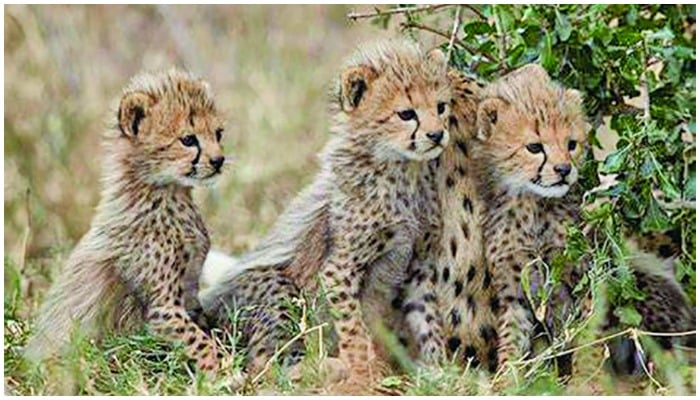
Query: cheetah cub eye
[[407, 115], [189, 140], [535, 148]]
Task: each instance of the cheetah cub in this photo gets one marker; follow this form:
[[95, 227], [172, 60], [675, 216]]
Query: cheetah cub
[[530, 139], [448, 306], [141, 259], [369, 206], [530, 135]]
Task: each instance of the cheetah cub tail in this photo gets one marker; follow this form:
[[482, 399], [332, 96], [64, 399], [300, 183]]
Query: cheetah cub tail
[[216, 266]]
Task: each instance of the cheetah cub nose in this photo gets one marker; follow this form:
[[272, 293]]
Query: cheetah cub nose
[[217, 162], [436, 136], [563, 169]]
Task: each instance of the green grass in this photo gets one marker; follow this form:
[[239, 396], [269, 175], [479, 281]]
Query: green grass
[[140, 364]]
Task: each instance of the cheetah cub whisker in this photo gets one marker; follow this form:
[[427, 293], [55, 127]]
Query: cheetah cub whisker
[[141, 259]]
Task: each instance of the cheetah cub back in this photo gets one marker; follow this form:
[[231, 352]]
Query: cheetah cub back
[[141, 259]]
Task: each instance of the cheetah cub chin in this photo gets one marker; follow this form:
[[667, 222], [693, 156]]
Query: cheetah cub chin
[[141, 259]]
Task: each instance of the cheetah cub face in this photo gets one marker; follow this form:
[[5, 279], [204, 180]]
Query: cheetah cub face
[[533, 132], [173, 128], [395, 98]]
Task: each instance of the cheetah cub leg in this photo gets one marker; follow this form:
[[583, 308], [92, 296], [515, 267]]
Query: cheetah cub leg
[[422, 316], [169, 319], [342, 279], [515, 318]]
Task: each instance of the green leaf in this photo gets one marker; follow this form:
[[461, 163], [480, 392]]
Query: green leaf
[[547, 58], [663, 34], [628, 315], [614, 161], [562, 26], [655, 219], [689, 186], [474, 28], [505, 17], [391, 382]]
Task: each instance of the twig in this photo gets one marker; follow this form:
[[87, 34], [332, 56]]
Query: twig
[[575, 349], [414, 25], [27, 232], [674, 205], [475, 11], [453, 37], [644, 94], [638, 346], [401, 10], [666, 334], [284, 347]]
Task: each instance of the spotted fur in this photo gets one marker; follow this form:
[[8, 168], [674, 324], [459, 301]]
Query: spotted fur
[[141, 259], [449, 308]]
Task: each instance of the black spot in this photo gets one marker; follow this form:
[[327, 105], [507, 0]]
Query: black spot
[[487, 279], [446, 274], [462, 146], [397, 303], [453, 343], [429, 297], [429, 318], [471, 274], [403, 341], [453, 247], [494, 304], [449, 182], [467, 204], [453, 121], [410, 307], [487, 333], [465, 230], [470, 302], [458, 287], [201, 346], [493, 359], [156, 203], [190, 340], [469, 352]]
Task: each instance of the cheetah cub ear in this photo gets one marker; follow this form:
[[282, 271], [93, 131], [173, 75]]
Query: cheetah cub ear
[[437, 58], [487, 117], [354, 84], [133, 108]]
